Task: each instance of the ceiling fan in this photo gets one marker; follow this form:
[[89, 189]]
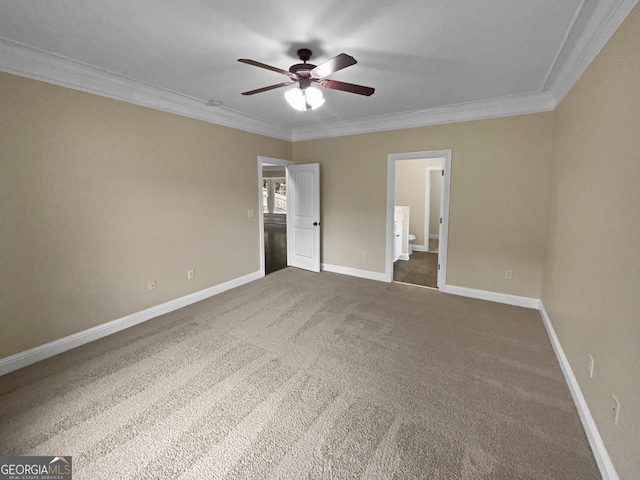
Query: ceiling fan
[[305, 74]]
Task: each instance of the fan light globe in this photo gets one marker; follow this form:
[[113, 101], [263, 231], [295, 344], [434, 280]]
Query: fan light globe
[[302, 99]]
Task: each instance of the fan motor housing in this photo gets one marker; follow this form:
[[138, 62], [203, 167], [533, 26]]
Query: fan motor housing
[[302, 69]]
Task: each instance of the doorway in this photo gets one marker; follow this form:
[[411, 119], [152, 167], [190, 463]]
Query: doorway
[[297, 244], [418, 190], [272, 213], [421, 261]]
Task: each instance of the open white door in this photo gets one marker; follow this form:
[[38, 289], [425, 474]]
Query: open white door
[[303, 216]]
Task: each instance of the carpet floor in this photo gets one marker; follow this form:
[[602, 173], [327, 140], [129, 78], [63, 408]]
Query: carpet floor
[[307, 376]]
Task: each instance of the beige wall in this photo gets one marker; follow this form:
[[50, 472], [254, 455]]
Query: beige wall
[[410, 190], [591, 286], [274, 173], [498, 197], [98, 196]]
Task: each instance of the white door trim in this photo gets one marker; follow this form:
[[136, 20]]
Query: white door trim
[[427, 205], [262, 162], [444, 207]]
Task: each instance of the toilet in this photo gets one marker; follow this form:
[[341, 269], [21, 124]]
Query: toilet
[[412, 237]]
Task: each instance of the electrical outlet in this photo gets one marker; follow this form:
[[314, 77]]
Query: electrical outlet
[[591, 365], [364, 254], [250, 213], [152, 285], [191, 274], [616, 410], [508, 274]]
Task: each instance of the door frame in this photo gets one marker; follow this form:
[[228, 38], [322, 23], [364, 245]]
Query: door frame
[[444, 208], [266, 162]]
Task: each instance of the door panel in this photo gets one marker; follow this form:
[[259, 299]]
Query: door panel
[[303, 218]]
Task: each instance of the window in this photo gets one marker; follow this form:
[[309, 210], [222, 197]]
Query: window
[[274, 195]]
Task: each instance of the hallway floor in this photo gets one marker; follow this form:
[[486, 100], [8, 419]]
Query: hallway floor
[[275, 247]]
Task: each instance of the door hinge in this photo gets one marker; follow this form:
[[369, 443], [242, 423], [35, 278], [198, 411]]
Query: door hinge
[[440, 220], [438, 266], [443, 172]]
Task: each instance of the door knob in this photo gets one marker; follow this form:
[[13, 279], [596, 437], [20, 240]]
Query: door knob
[[315, 224]]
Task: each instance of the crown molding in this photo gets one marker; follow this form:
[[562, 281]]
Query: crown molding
[[39, 65], [499, 107], [605, 20], [32, 63], [603, 23]]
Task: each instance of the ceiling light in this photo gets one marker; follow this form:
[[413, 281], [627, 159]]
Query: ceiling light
[[308, 99]]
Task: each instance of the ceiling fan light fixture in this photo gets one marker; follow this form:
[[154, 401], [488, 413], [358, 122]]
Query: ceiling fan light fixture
[[303, 100]]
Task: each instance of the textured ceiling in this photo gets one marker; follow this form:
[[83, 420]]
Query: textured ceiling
[[422, 56]]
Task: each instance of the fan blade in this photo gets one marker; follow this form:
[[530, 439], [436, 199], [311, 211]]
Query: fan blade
[[347, 87], [333, 65], [292, 76], [266, 89]]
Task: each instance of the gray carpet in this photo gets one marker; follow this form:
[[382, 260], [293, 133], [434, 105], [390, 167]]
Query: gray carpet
[[307, 376]]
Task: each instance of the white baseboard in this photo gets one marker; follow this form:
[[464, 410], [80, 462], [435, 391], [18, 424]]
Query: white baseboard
[[354, 272], [607, 469], [33, 355], [404, 256], [419, 248], [526, 302], [434, 236]]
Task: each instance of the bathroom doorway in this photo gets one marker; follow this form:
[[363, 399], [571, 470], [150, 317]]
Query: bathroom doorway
[[417, 194], [417, 205]]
